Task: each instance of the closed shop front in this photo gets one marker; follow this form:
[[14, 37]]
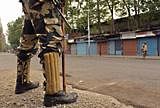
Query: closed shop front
[[157, 32], [115, 46], [158, 45], [73, 49], [102, 48], [82, 48], [93, 48], [129, 47], [150, 38], [68, 51], [118, 47], [111, 47], [151, 43]]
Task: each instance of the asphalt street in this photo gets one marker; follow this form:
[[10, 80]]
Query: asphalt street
[[132, 81]]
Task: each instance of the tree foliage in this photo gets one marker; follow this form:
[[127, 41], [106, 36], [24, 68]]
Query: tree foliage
[[1, 36], [137, 12], [1, 28], [14, 32]]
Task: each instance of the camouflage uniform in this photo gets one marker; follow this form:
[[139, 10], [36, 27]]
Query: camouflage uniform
[[42, 28], [144, 49]]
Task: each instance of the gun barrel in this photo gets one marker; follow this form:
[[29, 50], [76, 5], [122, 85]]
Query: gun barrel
[[61, 14]]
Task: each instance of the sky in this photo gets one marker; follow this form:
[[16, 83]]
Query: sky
[[10, 10]]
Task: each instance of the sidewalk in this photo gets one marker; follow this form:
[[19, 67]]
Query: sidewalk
[[112, 56], [34, 98], [133, 57], [120, 56], [88, 99]]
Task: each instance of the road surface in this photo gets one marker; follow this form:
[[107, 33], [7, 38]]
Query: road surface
[[132, 81]]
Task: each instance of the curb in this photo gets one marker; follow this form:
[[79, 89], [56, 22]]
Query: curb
[[120, 57], [134, 57]]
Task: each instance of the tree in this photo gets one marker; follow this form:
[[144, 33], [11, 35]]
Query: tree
[[112, 5], [152, 9], [124, 9], [14, 32], [1, 36], [102, 14], [78, 15], [1, 28], [137, 13]]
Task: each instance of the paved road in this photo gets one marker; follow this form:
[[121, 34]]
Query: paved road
[[34, 98], [132, 81]]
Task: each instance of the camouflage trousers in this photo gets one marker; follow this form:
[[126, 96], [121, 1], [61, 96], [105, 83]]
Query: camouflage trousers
[[49, 46]]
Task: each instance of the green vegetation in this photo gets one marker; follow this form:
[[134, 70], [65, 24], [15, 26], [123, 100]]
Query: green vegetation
[[137, 13], [1, 36], [14, 32]]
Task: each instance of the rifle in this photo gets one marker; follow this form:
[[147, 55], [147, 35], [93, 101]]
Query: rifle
[[57, 5]]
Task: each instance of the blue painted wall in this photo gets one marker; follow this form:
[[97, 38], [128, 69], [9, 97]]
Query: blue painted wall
[[73, 49], [82, 48], [93, 48], [111, 47], [159, 44], [152, 45], [118, 47]]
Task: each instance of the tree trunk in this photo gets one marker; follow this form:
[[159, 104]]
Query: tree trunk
[[99, 18], [112, 13], [113, 26], [129, 14], [137, 11]]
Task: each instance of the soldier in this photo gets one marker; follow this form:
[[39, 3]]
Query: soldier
[[41, 25], [144, 49]]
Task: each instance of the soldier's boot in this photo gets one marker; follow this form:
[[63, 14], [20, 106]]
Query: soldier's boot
[[53, 94], [23, 83]]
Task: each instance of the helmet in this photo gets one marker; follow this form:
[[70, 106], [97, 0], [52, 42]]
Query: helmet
[[145, 42]]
